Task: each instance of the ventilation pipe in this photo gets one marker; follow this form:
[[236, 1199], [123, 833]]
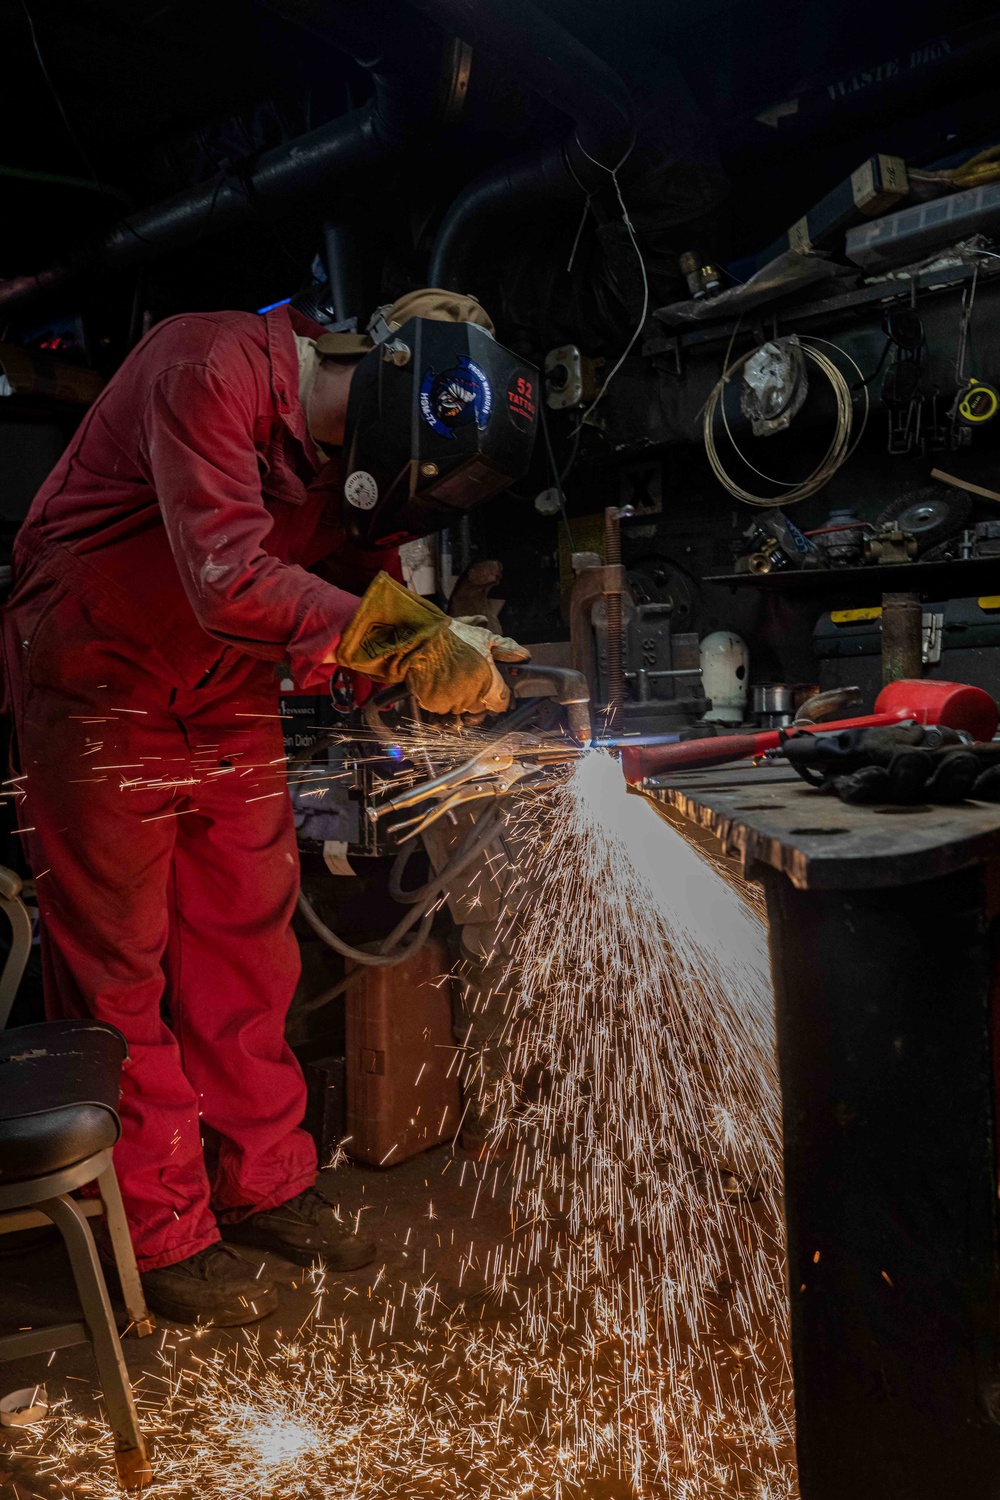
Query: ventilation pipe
[[552, 63], [417, 74], [544, 57], [646, 120]]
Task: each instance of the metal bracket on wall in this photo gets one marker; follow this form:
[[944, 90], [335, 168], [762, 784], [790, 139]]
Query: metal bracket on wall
[[932, 635], [667, 354]]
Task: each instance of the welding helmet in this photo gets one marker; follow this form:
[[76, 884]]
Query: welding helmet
[[439, 417]]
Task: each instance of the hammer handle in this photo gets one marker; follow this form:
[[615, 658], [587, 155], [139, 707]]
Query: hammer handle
[[640, 761]]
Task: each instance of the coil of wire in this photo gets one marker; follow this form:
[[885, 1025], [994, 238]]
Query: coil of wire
[[841, 444]]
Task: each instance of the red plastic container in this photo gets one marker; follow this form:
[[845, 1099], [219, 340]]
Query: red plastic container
[[402, 1069]]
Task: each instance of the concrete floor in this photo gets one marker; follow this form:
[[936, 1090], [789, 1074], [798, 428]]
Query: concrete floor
[[469, 1204]]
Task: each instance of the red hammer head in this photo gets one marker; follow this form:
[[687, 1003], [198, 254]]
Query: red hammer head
[[952, 704]]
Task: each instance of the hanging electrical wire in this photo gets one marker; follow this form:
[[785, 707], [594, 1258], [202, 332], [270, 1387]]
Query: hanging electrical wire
[[842, 443], [81, 150], [640, 325], [557, 478]]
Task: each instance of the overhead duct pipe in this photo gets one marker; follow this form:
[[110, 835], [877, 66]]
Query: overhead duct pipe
[[412, 69], [344, 255], [651, 120], [537, 177], [544, 56]]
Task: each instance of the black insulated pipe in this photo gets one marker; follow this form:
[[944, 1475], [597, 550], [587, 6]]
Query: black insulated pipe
[[536, 178], [409, 64], [343, 252], [539, 53], [275, 179], [544, 57], [278, 177]]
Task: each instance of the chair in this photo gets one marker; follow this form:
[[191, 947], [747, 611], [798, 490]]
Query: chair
[[59, 1085]]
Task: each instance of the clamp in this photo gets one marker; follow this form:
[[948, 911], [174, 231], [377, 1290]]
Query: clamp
[[496, 770]]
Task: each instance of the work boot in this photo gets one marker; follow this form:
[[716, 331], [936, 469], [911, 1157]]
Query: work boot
[[304, 1229], [215, 1288]]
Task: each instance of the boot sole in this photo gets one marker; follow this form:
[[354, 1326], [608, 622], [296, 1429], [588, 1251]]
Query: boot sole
[[300, 1256], [265, 1303]]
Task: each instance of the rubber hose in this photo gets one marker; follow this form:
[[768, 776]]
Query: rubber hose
[[308, 1007], [383, 957], [477, 838], [388, 953], [406, 851]]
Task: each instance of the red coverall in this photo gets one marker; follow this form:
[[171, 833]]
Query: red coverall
[[159, 577]]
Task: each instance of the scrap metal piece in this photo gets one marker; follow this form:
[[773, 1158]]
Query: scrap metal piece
[[774, 385], [834, 703], [890, 546]]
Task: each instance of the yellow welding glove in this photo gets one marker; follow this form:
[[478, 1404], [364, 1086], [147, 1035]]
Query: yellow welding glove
[[448, 665]]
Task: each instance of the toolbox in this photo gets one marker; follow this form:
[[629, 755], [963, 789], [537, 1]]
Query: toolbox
[[402, 1060], [955, 624], [912, 233], [960, 644]]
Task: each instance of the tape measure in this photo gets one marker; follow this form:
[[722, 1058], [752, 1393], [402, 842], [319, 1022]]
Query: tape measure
[[979, 402]]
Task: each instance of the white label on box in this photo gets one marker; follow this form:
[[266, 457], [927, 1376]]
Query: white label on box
[[335, 855]]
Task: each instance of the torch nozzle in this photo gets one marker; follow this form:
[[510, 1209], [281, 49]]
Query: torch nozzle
[[579, 723]]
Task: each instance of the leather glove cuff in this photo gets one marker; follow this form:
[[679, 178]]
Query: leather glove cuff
[[388, 625], [449, 665]]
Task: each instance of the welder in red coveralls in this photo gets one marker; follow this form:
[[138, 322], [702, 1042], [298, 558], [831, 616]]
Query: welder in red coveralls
[[189, 540]]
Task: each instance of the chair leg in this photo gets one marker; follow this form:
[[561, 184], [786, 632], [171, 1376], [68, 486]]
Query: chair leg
[[142, 1320], [131, 1459]]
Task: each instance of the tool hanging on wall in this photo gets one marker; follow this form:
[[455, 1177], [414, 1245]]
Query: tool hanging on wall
[[980, 402], [935, 428], [903, 391], [975, 403], [911, 399], [846, 434]]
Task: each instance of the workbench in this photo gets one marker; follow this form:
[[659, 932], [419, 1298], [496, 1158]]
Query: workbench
[[883, 927]]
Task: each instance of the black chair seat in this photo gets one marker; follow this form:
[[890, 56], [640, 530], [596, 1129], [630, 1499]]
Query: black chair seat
[[59, 1086]]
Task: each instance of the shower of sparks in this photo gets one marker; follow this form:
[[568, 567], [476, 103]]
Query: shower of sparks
[[627, 1341], [641, 1106], [268, 1431]]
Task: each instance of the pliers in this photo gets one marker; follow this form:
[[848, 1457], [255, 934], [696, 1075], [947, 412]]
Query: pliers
[[494, 771]]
